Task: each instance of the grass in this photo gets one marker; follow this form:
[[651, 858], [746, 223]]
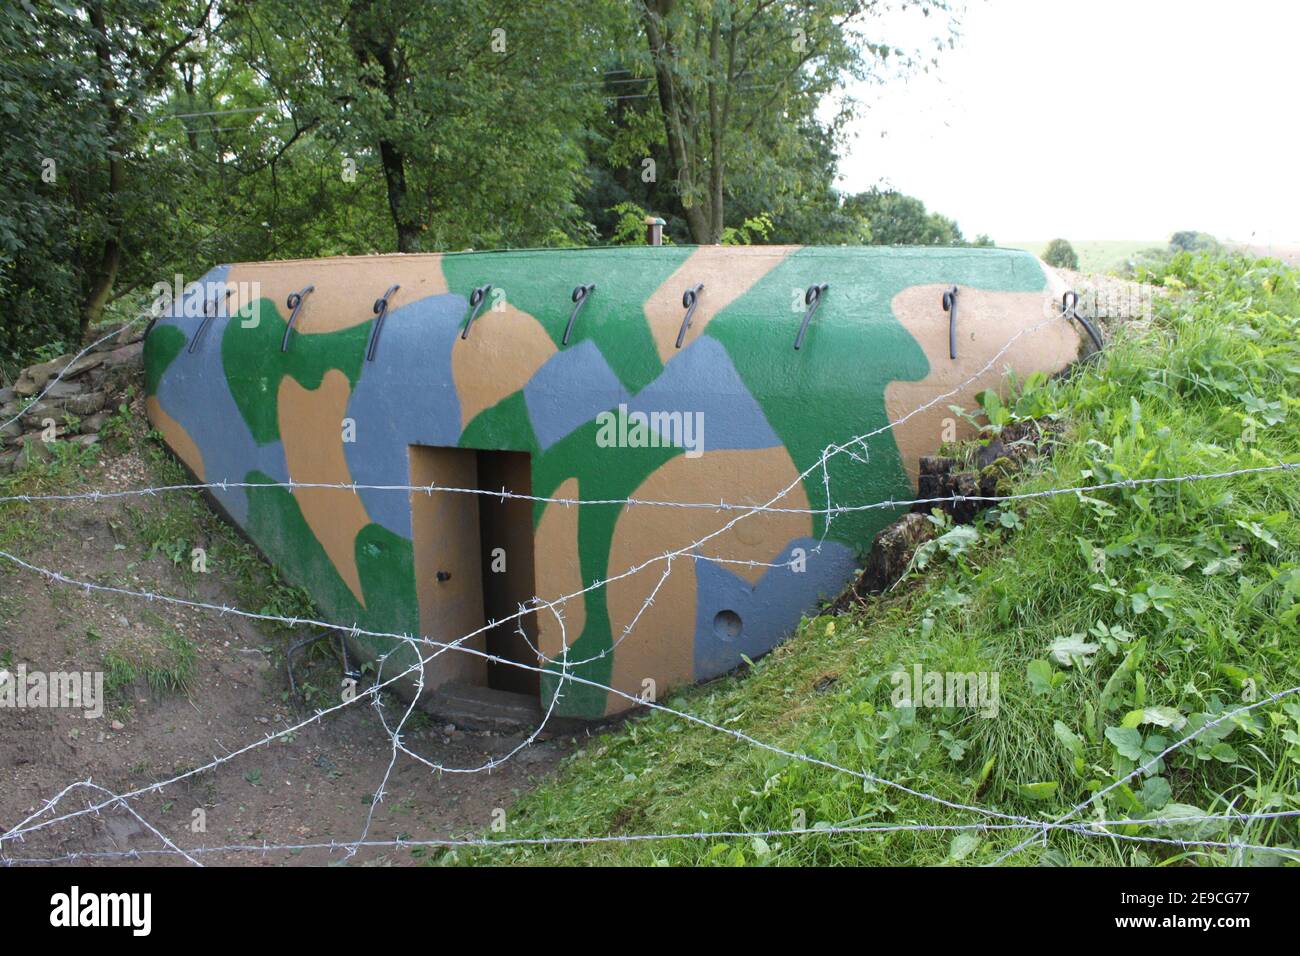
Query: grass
[[1096, 255], [165, 662], [1117, 622]]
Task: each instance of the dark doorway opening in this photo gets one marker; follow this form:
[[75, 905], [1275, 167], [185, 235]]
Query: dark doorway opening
[[506, 559]]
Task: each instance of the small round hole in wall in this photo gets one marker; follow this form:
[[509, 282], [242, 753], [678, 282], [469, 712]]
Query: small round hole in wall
[[727, 625]]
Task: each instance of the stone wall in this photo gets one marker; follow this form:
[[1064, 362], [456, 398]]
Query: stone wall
[[75, 407]]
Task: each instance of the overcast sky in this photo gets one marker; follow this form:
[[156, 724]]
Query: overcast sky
[[1098, 119]]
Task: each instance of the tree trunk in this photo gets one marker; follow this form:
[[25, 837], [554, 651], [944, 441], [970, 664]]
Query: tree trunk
[[101, 288], [368, 47], [697, 214], [716, 132], [110, 258], [408, 229]]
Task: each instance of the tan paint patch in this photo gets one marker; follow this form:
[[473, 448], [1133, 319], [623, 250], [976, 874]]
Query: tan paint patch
[[504, 350], [346, 286], [445, 537], [662, 644], [560, 572], [178, 439], [986, 320], [728, 272], [312, 435]]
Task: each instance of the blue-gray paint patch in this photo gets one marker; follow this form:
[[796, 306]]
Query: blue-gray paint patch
[[568, 391], [768, 611], [406, 396], [701, 378], [203, 405]]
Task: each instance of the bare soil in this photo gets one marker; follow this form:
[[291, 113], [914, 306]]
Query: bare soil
[[313, 786]]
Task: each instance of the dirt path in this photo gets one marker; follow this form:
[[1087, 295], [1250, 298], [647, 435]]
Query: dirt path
[[313, 786]]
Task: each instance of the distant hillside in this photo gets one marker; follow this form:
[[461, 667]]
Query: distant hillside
[[1095, 255], [1110, 255]]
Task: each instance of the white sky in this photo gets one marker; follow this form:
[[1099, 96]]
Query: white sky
[[1097, 119]]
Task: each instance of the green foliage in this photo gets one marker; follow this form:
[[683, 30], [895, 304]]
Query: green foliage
[[1158, 258], [1119, 620], [630, 229], [1192, 241], [753, 230], [738, 85], [141, 138], [1061, 255], [894, 219]]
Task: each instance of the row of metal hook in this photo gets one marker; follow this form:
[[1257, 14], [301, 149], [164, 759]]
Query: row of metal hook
[[690, 299]]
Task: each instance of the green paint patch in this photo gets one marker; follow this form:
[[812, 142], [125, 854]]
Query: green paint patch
[[385, 566], [163, 344], [833, 389], [254, 364], [614, 315], [503, 427]]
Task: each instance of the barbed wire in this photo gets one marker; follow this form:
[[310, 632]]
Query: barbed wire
[[1090, 830], [37, 820], [1040, 827], [830, 451], [505, 494]]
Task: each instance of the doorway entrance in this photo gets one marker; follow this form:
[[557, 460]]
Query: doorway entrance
[[474, 564]]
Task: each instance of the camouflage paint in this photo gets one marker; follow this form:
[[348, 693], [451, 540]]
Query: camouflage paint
[[239, 409]]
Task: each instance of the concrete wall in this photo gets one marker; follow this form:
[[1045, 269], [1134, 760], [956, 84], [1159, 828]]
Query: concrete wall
[[238, 408]]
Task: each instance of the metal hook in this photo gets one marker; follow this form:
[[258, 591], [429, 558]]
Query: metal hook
[[812, 298], [476, 299], [294, 303], [950, 306], [1070, 309], [580, 293], [381, 312], [690, 299], [209, 313]]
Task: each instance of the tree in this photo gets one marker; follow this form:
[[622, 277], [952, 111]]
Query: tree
[[895, 219], [1061, 255], [749, 75], [1192, 241], [472, 110], [78, 89], [142, 136]]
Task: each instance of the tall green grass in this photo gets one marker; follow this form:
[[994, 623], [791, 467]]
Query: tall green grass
[[1117, 622]]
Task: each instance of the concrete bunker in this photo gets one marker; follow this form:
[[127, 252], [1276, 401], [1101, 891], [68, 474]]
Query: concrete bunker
[[365, 379]]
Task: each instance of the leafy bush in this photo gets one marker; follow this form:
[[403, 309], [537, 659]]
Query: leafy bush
[[1061, 255], [1191, 241]]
